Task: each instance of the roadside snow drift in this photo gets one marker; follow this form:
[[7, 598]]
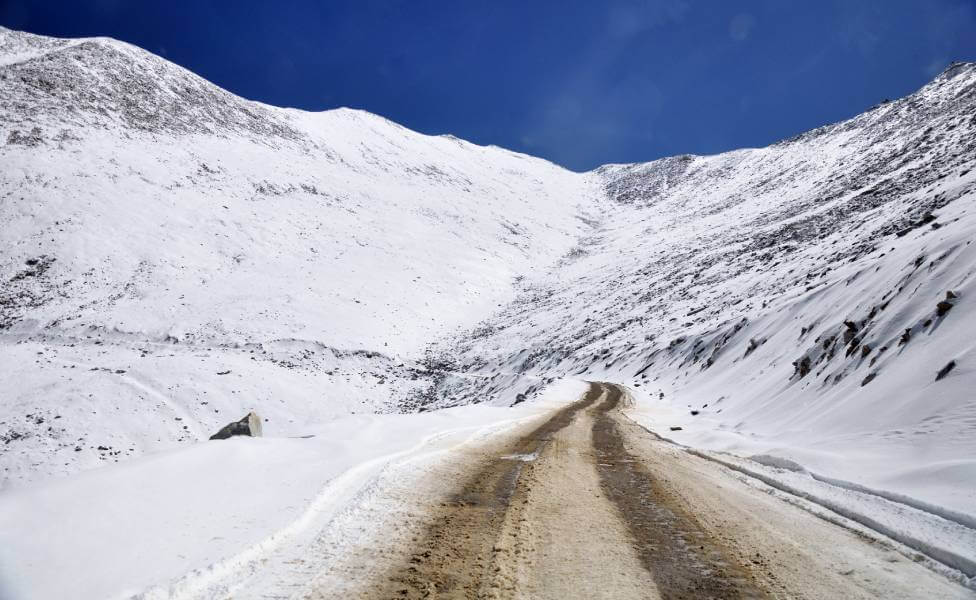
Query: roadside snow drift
[[183, 522]]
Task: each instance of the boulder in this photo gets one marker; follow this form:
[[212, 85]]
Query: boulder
[[249, 425], [801, 367], [945, 370]]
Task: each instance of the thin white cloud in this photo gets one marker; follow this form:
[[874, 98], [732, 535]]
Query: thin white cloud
[[741, 26], [631, 18]]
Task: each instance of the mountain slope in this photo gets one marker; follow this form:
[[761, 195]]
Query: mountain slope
[[810, 299], [159, 230], [174, 256]]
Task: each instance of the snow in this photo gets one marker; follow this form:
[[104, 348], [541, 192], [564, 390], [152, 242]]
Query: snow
[[177, 241], [173, 257], [906, 432], [15, 49], [712, 279], [174, 522], [947, 535], [712, 275]]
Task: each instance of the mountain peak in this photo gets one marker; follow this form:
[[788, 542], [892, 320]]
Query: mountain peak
[[100, 82]]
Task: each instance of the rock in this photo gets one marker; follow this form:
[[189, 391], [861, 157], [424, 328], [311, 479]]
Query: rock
[[950, 295], [945, 370], [26, 139], [868, 379], [676, 428], [905, 337], [802, 367], [865, 350], [943, 307], [249, 425], [851, 325], [694, 413]]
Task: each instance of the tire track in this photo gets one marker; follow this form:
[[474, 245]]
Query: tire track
[[587, 505], [683, 560], [481, 542], [455, 558]]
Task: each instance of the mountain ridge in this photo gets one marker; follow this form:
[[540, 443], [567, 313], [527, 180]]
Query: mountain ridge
[[160, 231], [139, 248]]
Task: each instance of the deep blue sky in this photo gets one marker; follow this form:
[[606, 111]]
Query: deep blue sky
[[581, 83]]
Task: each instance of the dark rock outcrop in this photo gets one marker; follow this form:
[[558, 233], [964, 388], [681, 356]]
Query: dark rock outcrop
[[945, 370], [249, 425], [802, 367]]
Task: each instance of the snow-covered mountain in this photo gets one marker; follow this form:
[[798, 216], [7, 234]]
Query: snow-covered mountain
[[159, 232], [174, 256], [811, 299]]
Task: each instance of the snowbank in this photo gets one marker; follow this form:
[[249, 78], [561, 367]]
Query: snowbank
[[174, 522]]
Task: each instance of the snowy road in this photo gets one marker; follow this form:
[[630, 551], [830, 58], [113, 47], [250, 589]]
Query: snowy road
[[583, 503]]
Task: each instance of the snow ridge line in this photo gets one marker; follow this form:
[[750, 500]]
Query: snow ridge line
[[351, 511], [964, 565], [198, 581], [23, 57], [955, 566], [948, 514], [960, 518]]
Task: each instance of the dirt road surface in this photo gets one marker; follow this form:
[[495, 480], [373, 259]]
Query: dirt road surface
[[586, 504]]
